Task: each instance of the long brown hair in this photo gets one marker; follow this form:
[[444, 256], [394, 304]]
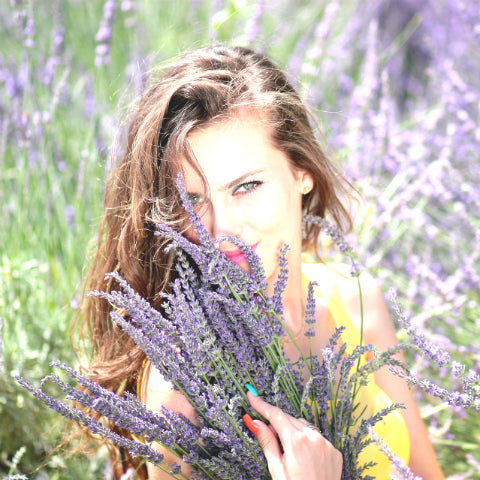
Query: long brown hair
[[200, 87]]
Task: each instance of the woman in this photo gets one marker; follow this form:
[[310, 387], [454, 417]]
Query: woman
[[229, 120]]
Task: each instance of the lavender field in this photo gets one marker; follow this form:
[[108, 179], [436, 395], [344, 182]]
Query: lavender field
[[395, 86]]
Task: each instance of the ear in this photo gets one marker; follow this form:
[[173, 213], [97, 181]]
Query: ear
[[305, 181]]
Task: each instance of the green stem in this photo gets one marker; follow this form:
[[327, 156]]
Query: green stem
[[240, 434], [357, 382]]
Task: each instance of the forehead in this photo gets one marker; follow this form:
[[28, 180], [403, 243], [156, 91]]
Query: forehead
[[229, 148]]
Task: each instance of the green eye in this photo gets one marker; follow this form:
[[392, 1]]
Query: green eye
[[247, 187], [195, 198], [250, 186]]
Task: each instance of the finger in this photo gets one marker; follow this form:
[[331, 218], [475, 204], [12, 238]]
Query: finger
[[310, 426], [269, 444], [278, 419]]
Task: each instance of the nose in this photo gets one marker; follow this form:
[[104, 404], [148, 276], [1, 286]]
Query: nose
[[224, 219]]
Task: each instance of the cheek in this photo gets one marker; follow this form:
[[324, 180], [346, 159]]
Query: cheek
[[266, 223], [276, 224], [191, 234], [189, 231], [280, 212]]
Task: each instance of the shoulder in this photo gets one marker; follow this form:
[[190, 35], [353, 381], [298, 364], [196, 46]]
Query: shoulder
[[338, 276], [156, 392], [362, 298]]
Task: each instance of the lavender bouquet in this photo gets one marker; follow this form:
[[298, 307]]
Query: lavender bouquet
[[218, 331]]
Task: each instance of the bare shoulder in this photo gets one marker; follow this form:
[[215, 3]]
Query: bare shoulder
[[158, 391]]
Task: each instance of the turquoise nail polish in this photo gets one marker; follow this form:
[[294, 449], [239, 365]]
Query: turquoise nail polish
[[251, 389]]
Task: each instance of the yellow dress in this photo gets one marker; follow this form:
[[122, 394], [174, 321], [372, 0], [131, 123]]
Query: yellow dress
[[392, 429]]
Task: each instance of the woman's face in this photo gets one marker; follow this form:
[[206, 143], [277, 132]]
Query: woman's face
[[254, 192]]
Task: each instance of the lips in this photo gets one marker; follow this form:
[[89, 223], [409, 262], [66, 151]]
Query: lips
[[237, 256]]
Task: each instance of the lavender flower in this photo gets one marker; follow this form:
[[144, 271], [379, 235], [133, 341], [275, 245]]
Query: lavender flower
[[207, 343], [403, 472], [138, 449], [253, 24], [335, 235], [104, 34], [216, 332], [470, 380], [56, 48], [310, 310]]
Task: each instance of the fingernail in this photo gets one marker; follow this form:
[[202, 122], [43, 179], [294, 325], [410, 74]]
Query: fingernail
[[251, 389], [250, 424]]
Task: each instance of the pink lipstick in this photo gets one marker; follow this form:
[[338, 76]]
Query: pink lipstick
[[237, 256]]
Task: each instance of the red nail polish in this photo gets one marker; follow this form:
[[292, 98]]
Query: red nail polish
[[250, 425]]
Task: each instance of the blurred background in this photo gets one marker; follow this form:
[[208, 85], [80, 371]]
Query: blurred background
[[395, 86]]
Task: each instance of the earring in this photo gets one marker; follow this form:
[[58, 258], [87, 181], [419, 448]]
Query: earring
[[306, 189]]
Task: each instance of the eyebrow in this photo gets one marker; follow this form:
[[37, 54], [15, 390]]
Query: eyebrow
[[239, 179]]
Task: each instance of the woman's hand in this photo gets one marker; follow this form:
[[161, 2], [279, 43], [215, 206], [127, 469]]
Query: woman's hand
[[294, 449]]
